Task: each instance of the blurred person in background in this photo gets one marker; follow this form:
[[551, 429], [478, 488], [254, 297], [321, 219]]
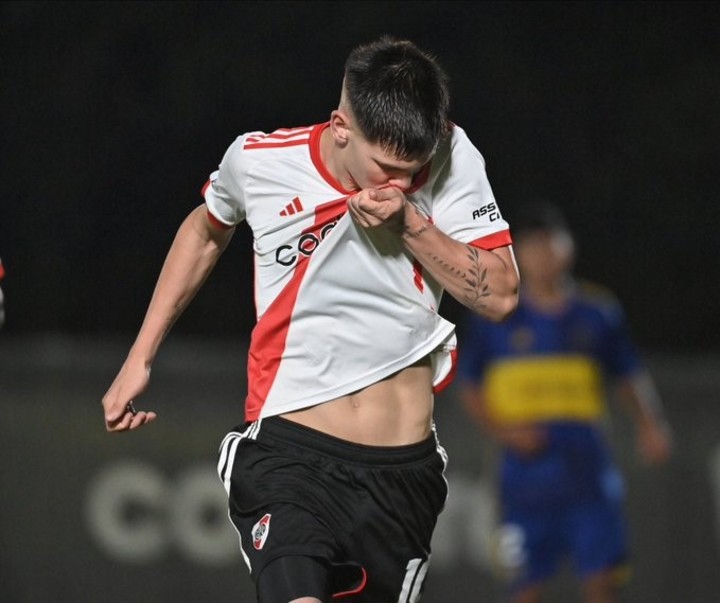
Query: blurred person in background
[[537, 384]]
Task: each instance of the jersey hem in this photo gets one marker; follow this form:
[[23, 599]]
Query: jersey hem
[[444, 337]]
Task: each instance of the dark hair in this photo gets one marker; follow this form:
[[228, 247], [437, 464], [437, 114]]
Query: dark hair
[[399, 96], [538, 215]]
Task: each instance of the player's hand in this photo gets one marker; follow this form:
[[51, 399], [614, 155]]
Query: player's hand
[[121, 413], [654, 442], [378, 207], [524, 440]]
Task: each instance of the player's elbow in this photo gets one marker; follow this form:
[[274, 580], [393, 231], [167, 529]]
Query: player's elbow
[[502, 294], [502, 308], [504, 301]]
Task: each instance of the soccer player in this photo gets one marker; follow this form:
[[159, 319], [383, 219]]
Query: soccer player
[[336, 478], [535, 383]]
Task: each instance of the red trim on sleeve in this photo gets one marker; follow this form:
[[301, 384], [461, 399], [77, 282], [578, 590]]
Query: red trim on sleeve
[[493, 241], [217, 223], [213, 220], [2, 271]]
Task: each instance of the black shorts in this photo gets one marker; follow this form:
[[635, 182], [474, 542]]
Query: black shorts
[[365, 513]]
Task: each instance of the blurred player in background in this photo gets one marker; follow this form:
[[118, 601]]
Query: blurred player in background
[[336, 479], [536, 384]]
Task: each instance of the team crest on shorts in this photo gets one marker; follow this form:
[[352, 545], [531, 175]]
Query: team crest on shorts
[[260, 531]]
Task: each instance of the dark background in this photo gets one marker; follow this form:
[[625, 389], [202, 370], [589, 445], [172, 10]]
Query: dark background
[[114, 114]]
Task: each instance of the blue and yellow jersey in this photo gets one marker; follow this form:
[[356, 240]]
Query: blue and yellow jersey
[[551, 368], [540, 366]]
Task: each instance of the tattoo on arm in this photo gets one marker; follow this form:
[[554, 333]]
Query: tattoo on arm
[[414, 234], [476, 286], [474, 278]]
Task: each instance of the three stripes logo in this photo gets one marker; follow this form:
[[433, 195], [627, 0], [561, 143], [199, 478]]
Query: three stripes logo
[[292, 208]]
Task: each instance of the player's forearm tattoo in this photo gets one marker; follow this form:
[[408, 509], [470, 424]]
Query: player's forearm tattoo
[[476, 286], [473, 279], [415, 233]]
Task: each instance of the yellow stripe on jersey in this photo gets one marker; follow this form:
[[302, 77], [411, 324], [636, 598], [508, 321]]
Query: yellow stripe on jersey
[[544, 389]]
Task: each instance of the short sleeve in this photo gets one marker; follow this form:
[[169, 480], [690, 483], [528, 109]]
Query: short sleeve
[[224, 192], [464, 206]]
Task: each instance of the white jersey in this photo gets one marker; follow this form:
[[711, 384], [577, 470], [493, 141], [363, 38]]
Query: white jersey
[[340, 307]]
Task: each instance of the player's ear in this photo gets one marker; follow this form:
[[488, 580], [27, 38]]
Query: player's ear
[[340, 126]]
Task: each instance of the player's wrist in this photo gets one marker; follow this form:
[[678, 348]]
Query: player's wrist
[[140, 357], [415, 223]]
